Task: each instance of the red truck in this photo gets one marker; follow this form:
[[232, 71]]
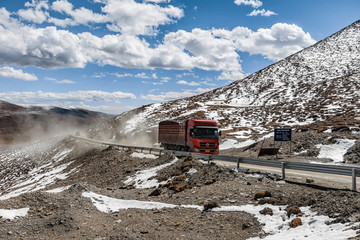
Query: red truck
[[194, 135]]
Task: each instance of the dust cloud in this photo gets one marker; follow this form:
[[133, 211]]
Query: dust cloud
[[26, 129], [140, 139]]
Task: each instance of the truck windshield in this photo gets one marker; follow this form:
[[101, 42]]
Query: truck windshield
[[206, 132]]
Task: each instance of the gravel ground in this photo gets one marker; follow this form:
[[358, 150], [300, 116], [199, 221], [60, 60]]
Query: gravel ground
[[103, 170]]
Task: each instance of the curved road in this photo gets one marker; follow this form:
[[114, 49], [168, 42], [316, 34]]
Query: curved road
[[321, 179]]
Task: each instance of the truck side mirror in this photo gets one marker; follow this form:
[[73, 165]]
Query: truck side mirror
[[191, 132], [220, 133]]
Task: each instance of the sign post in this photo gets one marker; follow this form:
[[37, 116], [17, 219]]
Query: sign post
[[282, 135]]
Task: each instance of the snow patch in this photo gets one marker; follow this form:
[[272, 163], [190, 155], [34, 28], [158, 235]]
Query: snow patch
[[335, 151], [313, 226], [232, 143], [13, 213], [192, 171], [39, 181], [145, 178], [142, 155], [61, 155], [106, 204], [58, 190]]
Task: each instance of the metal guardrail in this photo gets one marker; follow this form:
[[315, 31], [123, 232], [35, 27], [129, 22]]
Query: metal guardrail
[[309, 167]]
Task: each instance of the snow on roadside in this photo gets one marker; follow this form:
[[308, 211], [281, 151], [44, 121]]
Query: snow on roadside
[[142, 155], [232, 143], [314, 226], [335, 151], [13, 213], [145, 178]]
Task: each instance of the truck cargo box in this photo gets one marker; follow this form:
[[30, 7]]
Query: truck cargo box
[[172, 132]]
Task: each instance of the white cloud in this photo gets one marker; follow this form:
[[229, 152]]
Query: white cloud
[[255, 4], [174, 95], [36, 12], [275, 43], [142, 75], [208, 83], [42, 47], [130, 17], [183, 82], [252, 3], [9, 72], [62, 6], [157, 83], [111, 109], [50, 79], [261, 12], [157, 1], [60, 98], [80, 16], [196, 49], [126, 16], [123, 75], [65, 81], [210, 50]]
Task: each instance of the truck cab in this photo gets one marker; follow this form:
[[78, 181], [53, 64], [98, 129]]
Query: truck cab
[[202, 136]]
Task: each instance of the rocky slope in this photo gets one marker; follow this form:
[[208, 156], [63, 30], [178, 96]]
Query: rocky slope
[[317, 88], [74, 189]]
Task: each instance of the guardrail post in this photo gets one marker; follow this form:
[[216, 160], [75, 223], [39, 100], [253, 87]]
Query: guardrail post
[[238, 163], [283, 165], [354, 179], [160, 153], [209, 158]]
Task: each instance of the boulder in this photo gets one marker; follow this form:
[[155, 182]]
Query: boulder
[[295, 223], [210, 205], [156, 192], [271, 201], [293, 210], [262, 194], [267, 211]]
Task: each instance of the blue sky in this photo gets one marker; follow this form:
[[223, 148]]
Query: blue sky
[[115, 55]]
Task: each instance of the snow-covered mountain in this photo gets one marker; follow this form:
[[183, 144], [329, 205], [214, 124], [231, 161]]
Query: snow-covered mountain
[[316, 88]]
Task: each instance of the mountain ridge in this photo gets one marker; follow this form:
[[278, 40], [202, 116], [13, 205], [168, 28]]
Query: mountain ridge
[[315, 88]]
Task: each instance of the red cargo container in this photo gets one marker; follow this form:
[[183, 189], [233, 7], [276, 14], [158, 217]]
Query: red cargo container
[[193, 135]]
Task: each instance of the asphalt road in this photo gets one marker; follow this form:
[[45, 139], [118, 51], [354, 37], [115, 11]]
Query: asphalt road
[[321, 179]]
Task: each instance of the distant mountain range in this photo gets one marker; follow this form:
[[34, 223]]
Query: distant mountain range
[[316, 88], [20, 124]]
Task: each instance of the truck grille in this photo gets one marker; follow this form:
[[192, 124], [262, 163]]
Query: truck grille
[[204, 144]]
